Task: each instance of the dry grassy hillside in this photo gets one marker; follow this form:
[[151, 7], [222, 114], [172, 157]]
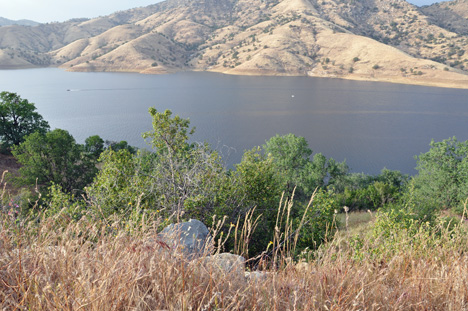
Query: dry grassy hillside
[[381, 40], [459, 7], [450, 15]]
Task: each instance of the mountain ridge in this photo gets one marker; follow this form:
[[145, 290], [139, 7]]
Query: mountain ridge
[[23, 22], [376, 40]]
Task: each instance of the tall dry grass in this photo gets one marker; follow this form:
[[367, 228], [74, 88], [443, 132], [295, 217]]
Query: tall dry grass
[[59, 264]]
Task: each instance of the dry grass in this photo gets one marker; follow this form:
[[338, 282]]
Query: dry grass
[[88, 265]]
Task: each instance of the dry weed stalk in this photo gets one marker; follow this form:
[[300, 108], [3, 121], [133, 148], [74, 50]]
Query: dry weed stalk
[[91, 265]]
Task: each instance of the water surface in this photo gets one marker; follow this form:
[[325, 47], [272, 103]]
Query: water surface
[[371, 125]]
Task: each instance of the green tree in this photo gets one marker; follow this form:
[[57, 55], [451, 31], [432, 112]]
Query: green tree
[[260, 185], [56, 158], [94, 146], [259, 179], [359, 191], [18, 118], [292, 160], [119, 185], [170, 134], [319, 221], [291, 154], [120, 145], [442, 181], [177, 178]]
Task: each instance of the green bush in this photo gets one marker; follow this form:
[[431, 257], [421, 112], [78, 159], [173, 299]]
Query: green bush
[[319, 223], [442, 181]]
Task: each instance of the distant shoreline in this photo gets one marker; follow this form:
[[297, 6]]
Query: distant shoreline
[[452, 84]]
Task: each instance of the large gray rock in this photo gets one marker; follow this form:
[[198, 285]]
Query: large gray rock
[[225, 267], [225, 262], [190, 238], [256, 276]]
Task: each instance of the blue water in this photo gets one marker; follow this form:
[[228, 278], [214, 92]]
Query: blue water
[[371, 125]]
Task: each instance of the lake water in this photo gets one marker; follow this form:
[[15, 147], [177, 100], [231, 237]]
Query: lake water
[[371, 125]]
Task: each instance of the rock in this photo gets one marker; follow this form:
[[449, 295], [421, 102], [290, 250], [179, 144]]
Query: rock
[[226, 263], [225, 266], [256, 276], [191, 238]]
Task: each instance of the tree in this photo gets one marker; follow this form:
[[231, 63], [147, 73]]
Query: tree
[[189, 177], [259, 181], [291, 154], [178, 178], [54, 158], [442, 181], [119, 185], [170, 134], [292, 159], [120, 145], [18, 118], [94, 146]]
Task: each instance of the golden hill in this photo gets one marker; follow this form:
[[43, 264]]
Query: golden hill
[[380, 40]]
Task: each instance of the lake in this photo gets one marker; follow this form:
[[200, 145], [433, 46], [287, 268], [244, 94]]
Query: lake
[[371, 125]]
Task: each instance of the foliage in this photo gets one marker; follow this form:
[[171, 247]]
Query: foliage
[[118, 187], [443, 173], [261, 188], [259, 180], [319, 221], [179, 179], [64, 204], [18, 118], [392, 220], [25, 200], [291, 159], [94, 146], [120, 145], [170, 134], [54, 157], [367, 192], [290, 155], [176, 179]]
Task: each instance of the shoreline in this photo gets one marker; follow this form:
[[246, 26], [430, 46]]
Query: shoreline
[[434, 82], [431, 82]]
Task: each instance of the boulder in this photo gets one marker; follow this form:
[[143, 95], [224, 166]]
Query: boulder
[[226, 263], [256, 276], [190, 238], [227, 267]]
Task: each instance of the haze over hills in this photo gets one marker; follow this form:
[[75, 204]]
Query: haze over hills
[[381, 40], [24, 22]]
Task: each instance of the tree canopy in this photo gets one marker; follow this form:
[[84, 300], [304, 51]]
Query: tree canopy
[[442, 181], [56, 158], [291, 157], [18, 118]]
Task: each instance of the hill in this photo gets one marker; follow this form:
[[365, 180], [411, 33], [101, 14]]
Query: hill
[[24, 22], [380, 40]]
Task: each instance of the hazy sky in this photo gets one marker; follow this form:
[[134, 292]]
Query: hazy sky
[[61, 10]]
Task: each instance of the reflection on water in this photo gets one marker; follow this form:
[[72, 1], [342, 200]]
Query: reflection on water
[[371, 125]]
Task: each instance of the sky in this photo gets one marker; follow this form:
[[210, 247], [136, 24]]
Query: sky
[[44, 11], [61, 10]]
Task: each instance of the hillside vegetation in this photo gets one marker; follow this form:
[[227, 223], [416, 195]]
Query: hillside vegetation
[[381, 40]]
